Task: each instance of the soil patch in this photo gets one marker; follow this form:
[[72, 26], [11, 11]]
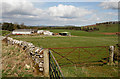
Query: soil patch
[[115, 33]]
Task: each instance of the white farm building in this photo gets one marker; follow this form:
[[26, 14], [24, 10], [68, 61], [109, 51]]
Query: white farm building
[[40, 31], [47, 33], [23, 31], [44, 32]]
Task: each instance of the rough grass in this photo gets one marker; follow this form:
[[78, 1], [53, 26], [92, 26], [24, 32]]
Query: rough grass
[[91, 71], [3, 33], [14, 61]]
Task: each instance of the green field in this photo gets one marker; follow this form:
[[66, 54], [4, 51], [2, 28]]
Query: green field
[[108, 27], [3, 33], [79, 39]]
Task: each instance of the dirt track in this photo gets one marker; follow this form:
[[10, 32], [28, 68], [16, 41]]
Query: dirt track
[[115, 33]]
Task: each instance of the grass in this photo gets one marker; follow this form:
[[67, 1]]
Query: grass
[[81, 56], [91, 71], [52, 42], [108, 27], [82, 33], [3, 33], [14, 61], [80, 39]]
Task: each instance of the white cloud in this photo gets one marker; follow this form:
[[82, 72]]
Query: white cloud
[[24, 11], [23, 7], [68, 11], [110, 4]]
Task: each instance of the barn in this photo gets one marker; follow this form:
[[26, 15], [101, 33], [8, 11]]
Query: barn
[[47, 33], [44, 32], [23, 31], [40, 31]]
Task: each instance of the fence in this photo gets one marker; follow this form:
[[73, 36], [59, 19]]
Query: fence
[[37, 54], [43, 60], [50, 61], [79, 56], [55, 70]]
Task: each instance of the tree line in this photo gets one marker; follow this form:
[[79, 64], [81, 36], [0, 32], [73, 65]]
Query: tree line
[[13, 26]]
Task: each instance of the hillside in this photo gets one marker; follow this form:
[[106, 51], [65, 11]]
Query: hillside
[[107, 27]]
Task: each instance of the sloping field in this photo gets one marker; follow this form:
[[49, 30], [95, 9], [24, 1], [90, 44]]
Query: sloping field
[[108, 27]]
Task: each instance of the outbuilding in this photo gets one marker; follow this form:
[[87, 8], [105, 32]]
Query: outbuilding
[[23, 31], [47, 33], [65, 33], [40, 31]]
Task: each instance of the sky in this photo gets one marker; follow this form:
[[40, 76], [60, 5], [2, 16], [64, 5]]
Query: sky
[[58, 13]]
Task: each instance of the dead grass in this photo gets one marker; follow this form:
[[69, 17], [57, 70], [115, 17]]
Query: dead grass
[[14, 61]]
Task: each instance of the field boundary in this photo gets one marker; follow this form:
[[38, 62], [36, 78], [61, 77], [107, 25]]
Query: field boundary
[[37, 54], [106, 51]]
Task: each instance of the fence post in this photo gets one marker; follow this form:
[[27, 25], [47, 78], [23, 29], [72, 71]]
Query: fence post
[[111, 55], [46, 62]]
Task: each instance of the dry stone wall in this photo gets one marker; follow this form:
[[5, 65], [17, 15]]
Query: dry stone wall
[[36, 53]]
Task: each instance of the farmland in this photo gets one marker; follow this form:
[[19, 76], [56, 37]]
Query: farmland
[[78, 39], [87, 39]]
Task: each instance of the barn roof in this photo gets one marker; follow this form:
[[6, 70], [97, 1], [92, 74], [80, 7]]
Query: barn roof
[[24, 30]]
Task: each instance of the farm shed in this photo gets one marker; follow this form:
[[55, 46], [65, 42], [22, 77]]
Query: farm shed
[[40, 31], [64, 33], [23, 31], [47, 33]]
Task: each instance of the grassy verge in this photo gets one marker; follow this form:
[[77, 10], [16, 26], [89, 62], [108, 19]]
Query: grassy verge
[[14, 62], [91, 71], [3, 33]]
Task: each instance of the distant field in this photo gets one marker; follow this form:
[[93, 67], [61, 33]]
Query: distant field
[[50, 42], [79, 38], [108, 27]]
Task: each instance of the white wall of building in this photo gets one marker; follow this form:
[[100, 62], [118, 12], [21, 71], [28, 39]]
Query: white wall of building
[[40, 31], [47, 33], [21, 32]]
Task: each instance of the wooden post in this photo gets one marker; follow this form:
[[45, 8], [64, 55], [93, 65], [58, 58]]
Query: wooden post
[[0, 59], [111, 53], [46, 62]]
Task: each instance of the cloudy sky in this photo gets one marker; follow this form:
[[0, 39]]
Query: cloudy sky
[[53, 13]]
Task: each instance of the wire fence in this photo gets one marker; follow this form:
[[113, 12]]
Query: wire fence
[[79, 56]]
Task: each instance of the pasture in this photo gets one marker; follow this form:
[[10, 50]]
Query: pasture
[[78, 39], [73, 41]]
